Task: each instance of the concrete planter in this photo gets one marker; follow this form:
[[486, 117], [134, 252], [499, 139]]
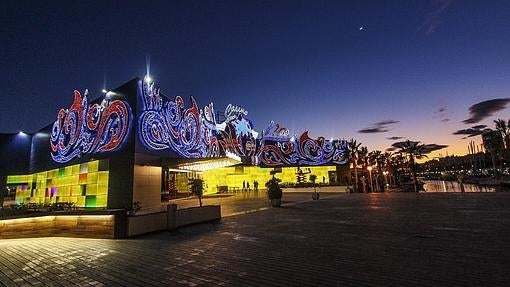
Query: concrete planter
[[172, 218], [147, 223], [195, 215], [87, 224], [105, 224]]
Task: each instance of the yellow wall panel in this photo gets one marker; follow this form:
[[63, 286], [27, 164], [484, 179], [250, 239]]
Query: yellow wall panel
[[80, 201], [91, 189], [93, 166], [67, 184], [102, 177], [64, 191], [92, 178], [75, 179], [101, 200], [102, 189], [40, 192], [75, 190], [233, 177], [68, 170]]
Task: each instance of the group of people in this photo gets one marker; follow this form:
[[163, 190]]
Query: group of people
[[246, 185]]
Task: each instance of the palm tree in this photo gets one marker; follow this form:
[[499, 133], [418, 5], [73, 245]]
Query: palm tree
[[414, 150], [386, 163], [386, 159], [197, 188], [374, 158], [492, 142], [363, 158], [397, 162], [503, 128], [353, 156]]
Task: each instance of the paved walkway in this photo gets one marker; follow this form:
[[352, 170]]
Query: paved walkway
[[250, 201], [392, 239]]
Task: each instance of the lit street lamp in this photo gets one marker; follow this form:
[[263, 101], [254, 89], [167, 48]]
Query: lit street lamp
[[386, 178], [370, 176]]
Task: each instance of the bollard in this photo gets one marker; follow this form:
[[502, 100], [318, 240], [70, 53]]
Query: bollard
[[171, 215]]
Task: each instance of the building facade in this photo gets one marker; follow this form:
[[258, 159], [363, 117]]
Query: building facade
[[135, 145]]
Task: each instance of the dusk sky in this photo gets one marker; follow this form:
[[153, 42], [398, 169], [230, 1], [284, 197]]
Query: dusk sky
[[369, 70]]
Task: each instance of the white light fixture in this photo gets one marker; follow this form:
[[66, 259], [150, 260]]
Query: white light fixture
[[104, 91], [147, 79], [208, 165], [232, 155]]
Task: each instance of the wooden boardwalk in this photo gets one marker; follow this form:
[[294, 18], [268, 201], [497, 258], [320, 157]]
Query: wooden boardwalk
[[392, 239]]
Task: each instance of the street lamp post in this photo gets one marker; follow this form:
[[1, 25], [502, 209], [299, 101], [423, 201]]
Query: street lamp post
[[370, 176], [386, 178]]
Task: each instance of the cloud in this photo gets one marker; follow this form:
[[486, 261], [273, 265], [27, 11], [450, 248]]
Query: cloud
[[391, 149], [385, 123], [433, 19], [395, 138], [442, 113], [485, 109], [373, 130], [440, 110], [427, 148], [469, 132], [472, 131], [433, 147], [379, 127], [402, 144]]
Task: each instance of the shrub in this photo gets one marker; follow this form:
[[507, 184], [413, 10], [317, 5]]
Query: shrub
[[197, 188], [273, 188], [31, 207], [134, 208]]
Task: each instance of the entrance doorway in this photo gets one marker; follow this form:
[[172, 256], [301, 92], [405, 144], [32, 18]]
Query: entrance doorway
[[175, 183]]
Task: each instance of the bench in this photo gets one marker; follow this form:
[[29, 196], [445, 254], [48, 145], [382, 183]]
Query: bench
[[234, 189]]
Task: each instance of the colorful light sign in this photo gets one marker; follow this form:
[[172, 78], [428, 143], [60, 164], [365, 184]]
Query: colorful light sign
[[195, 133], [191, 132], [277, 149], [84, 129]]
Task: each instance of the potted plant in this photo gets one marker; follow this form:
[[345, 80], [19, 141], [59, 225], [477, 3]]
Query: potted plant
[[135, 207], [274, 192], [315, 194], [197, 188]]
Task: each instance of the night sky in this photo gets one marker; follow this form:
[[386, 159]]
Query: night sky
[[376, 71]]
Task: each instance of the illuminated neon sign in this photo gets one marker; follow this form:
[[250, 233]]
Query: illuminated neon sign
[[277, 149], [84, 129], [192, 132]]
